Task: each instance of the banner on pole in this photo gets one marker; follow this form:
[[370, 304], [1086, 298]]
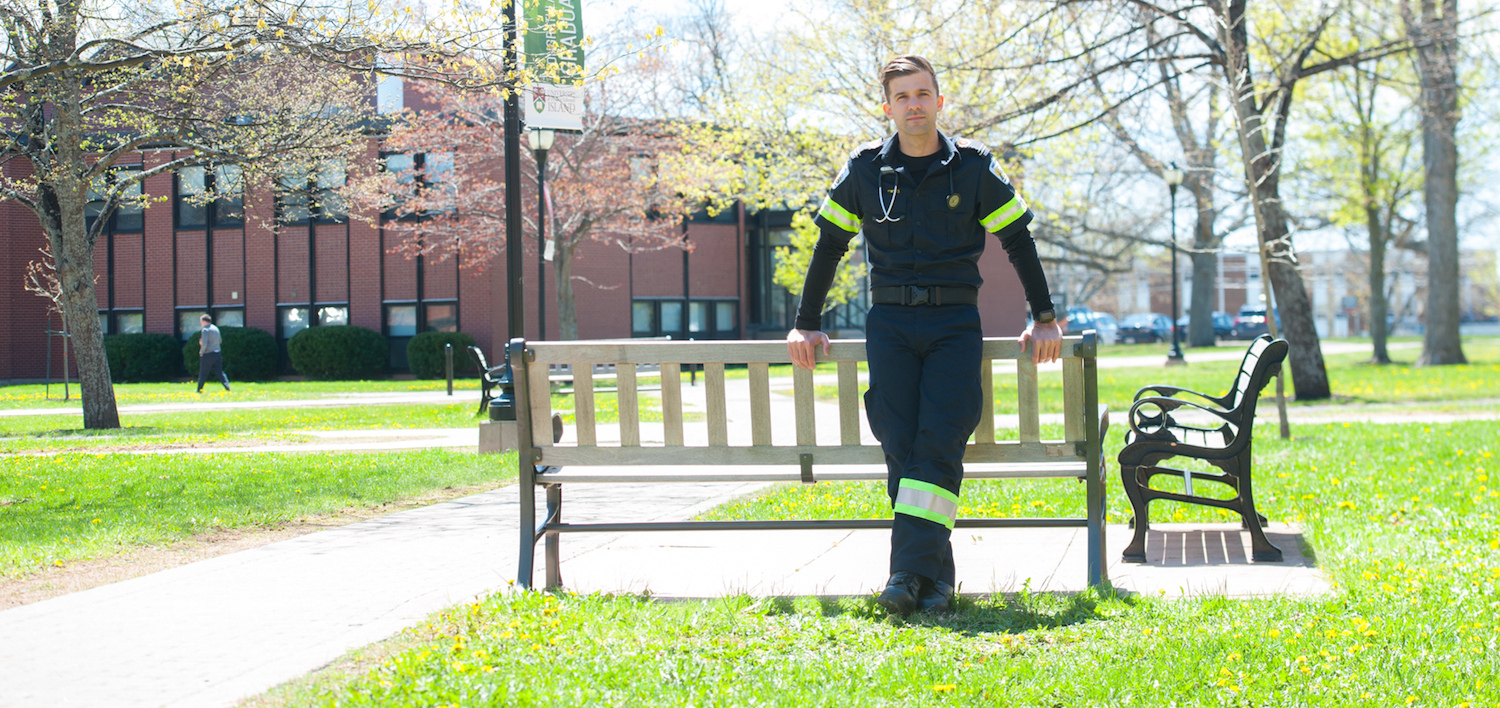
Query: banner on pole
[[554, 53]]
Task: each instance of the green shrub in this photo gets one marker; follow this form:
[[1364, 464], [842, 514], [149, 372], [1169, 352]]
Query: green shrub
[[338, 352], [249, 353], [142, 357], [425, 355]]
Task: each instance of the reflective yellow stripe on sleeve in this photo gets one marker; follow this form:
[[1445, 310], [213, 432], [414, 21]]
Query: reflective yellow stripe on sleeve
[[1004, 216], [839, 216], [927, 501]]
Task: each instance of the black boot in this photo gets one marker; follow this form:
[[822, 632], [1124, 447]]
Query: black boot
[[901, 592], [937, 597]]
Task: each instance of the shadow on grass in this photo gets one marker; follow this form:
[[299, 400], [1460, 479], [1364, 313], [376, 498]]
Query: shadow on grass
[[128, 431], [971, 615]]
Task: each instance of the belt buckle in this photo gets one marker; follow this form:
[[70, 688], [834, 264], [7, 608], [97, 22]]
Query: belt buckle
[[918, 296]]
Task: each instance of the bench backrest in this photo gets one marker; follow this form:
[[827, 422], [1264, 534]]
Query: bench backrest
[[1262, 361], [1079, 399]]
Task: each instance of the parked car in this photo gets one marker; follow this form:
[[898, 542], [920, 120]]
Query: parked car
[[1223, 325], [1082, 318], [1145, 327], [1251, 322]]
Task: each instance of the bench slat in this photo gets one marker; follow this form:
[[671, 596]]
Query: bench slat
[[985, 433], [760, 403], [848, 403], [562, 456], [1030, 470], [802, 391], [541, 403], [1026, 400], [731, 352], [630, 408], [671, 404], [583, 404], [718, 418], [1073, 419]]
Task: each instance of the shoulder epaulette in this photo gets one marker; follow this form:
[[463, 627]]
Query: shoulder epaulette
[[872, 146], [972, 146]]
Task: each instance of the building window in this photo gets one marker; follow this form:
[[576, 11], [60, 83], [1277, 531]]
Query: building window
[[442, 317], [421, 172], [291, 320], [210, 195], [130, 322], [129, 214], [706, 319], [311, 194], [104, 322], [229, 318], [333, 315], [188, 323], [400, 320]]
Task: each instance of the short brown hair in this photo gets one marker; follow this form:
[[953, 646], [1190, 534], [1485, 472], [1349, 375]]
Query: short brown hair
[[206, 318], [903, 65]]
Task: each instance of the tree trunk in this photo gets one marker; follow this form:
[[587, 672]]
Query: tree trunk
[[61, 212], [1262, 176], [1205, 275], [1377, 284], [80, 305], [567, 307], [1436, 40]]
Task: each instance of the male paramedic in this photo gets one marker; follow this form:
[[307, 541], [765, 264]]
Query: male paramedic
[[925, 202]]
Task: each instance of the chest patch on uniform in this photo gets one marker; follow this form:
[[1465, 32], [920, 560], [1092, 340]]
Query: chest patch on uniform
[[952, 202], [998, 171]]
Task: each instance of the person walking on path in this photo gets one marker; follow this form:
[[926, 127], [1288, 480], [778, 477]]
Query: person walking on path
[[210, 354], [925, 203]]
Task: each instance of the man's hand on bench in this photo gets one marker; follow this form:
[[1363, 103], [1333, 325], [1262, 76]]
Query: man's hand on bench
[[1047, 339], [802, 345]]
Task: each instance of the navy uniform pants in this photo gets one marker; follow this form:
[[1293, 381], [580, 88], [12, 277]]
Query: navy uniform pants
[[923, 404]]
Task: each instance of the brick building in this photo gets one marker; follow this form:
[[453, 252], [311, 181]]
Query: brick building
[[161, 267]]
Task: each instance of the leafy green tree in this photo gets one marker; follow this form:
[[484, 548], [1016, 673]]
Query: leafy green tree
[[792, 262]]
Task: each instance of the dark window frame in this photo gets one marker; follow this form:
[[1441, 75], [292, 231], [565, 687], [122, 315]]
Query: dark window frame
[[314, 199], [219, 212]]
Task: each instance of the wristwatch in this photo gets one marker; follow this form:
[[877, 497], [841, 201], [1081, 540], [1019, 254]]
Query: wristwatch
[[1045, 317]]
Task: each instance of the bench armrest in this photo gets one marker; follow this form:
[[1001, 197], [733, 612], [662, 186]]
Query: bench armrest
[[1165, 390], [1138, 419]]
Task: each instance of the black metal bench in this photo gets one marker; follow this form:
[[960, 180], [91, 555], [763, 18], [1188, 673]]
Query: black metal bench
[[1156, 435], [490, 377]]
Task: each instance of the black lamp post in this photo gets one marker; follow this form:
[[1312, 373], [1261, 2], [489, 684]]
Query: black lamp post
[[541, 142], [1174, 177]]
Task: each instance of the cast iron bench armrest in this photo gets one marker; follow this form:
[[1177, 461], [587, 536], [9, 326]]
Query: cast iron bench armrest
[[1137, 418], [1220, 401]]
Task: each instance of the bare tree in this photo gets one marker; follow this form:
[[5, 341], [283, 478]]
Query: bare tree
[[1433, 29]]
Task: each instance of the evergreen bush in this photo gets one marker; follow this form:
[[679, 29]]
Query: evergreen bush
[[249, 353], [142, 357], [425, 355], [338, 352]]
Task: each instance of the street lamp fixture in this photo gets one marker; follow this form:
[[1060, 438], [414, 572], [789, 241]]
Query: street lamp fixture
[[541, 141], [1174, 177]]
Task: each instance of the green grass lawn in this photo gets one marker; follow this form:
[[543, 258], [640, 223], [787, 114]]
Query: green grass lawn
[[1401, 517], [61, 508], [227, 427], [35, 395]]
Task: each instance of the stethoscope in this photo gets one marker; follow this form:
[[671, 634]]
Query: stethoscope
[[885, 209]]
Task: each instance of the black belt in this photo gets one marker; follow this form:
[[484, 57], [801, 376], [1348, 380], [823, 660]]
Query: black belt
[[934, 295]]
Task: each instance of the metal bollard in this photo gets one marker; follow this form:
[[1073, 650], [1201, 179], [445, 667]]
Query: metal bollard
[[448, 351]]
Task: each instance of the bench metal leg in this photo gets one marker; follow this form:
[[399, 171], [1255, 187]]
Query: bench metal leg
[[1261, 549], [553, 545], [1135, 552], [526, 482]]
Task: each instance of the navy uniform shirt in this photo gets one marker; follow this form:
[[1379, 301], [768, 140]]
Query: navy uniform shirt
[[923, 233]]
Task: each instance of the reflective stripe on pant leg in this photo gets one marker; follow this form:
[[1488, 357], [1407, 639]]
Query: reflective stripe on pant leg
[[926, 501]]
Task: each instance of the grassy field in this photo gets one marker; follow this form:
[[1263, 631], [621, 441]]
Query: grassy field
[[67, 507], [223, 427], [1351, 378], [1401, 517], [35, 395]]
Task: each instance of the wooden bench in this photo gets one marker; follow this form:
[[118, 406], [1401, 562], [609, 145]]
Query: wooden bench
[[1157, 435], [546, 462]]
